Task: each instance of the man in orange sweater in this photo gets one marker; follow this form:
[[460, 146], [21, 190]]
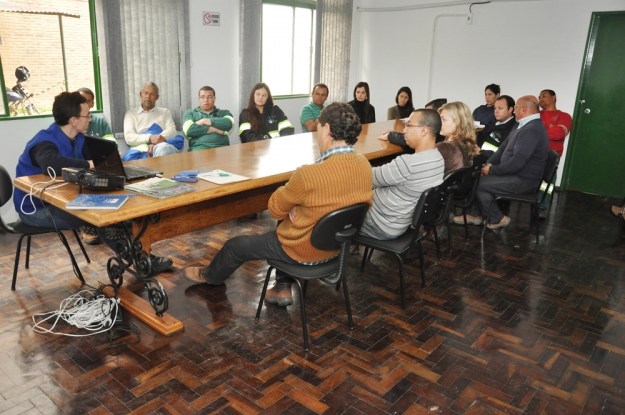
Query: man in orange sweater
[[339, 178]]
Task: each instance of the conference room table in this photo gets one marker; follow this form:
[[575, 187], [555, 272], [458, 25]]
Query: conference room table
[[268, 164]]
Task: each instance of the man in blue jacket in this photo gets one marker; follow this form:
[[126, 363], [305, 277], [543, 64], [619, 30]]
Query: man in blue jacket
[[61, 145], [516, 167]]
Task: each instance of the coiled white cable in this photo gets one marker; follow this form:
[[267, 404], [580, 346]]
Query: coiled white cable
[[83, 310], [33, 190]]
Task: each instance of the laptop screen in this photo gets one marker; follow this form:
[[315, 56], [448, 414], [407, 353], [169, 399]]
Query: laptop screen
[[105, 155]]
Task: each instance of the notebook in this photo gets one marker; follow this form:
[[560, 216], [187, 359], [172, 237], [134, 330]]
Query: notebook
[[106, 158], [95, 201]]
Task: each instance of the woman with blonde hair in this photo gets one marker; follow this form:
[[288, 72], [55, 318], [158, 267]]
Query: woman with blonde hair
[[458, 128]]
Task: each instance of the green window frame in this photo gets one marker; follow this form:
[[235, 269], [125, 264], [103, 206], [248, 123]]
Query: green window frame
[[6, 115], [295, 4]]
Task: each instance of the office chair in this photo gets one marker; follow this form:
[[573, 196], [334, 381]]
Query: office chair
[[20, 228], [335, 230]]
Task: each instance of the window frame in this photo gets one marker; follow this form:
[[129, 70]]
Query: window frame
[[96, 74], [304, 4]]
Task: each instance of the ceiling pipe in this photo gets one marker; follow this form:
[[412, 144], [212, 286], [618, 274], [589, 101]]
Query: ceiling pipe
[[421, 6]]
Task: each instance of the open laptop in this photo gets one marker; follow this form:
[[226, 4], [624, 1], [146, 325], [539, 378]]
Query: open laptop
[[105, 155]]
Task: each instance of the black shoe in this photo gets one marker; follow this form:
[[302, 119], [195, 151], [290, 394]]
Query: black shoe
[[160, 264], [542, 214]]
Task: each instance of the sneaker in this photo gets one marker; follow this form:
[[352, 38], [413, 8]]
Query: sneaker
[[280, 294], [160, 264], [505, 221], [194, 274], [91, 239], [471, 220]]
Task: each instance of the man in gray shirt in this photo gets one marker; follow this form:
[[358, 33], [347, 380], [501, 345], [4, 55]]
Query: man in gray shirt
[[399, 184], [516, 167]]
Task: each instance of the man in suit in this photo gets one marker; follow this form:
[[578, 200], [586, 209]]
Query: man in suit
[[516, 167]]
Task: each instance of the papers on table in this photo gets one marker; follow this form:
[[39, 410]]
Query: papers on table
[[160, 188], [97, 201], [221, 177]]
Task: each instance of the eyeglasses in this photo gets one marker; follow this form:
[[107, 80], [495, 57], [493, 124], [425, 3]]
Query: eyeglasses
[[207, 97], [414, 125], [85, 116]]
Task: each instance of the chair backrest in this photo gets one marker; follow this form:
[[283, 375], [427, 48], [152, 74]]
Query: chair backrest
[[324, 233], [6, 186], [551, 166], [428, 207]]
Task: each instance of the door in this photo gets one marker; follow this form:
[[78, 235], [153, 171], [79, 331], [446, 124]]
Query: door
[[596, 161]]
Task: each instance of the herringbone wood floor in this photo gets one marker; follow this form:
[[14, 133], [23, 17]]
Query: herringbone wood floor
[[503, 326]]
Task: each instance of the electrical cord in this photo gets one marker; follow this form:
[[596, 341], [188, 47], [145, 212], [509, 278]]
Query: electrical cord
[[93, 311]]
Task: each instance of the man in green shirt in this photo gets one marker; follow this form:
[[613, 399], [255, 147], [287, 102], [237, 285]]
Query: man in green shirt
[[98, 127], [309, 113], [207, 126]]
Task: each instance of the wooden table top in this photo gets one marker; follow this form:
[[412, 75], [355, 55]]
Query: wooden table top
[[266, 162]]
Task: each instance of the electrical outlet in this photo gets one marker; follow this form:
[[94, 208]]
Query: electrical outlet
[[470, 18]]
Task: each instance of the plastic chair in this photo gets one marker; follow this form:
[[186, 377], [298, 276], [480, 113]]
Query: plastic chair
[[20, 228], [551, 166], [335, 230], [426, 213]]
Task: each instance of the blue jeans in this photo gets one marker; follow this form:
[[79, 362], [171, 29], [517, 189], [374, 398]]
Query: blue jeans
[[491, 185], [241, 249], [63, 220]]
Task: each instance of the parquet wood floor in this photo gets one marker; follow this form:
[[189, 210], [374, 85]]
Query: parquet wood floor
[[503, 326]]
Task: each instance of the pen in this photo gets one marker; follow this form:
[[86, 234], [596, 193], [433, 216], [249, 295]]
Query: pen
[[223, 175], [130, 194]]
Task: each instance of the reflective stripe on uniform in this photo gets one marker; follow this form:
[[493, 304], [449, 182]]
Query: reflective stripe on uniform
[[284, 124], [244, 127], [141, 147], [489, 146], [187, 124], [110, 137], [543, 187], [274, 134], [232, 121]]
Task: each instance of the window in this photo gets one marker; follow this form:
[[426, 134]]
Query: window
[[288, 38], [45, 48]]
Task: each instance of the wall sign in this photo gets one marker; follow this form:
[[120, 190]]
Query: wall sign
[[210, 18]]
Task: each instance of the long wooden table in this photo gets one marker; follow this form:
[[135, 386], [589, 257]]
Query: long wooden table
[[269, 164]]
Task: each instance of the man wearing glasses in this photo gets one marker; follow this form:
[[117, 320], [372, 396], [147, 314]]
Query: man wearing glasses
[[399, 184], [48, 152], [516, 167], [207, 126]]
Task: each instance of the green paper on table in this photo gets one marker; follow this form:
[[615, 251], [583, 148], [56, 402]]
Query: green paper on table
[[221, 177]]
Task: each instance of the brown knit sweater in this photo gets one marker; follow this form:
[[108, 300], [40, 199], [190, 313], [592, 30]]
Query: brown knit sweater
[[318, 189]]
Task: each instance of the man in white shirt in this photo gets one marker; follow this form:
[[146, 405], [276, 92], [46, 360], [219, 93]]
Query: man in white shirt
[[147, 129]]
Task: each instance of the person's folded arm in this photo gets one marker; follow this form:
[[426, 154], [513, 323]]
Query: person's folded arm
[[225, 122], [293, 193], [561, 129], [190, 128]]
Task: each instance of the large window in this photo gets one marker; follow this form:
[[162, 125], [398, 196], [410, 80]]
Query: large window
[[288, 39], [46, 47]]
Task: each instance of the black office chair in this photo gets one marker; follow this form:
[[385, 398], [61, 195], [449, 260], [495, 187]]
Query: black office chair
[[448, 190], [426, 213], [335, 230], [465, 195], [551, 166], [20, 228]]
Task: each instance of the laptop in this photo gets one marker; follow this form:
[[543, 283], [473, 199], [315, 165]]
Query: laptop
[[106, 158]]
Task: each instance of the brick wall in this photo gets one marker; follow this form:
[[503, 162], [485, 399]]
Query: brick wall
[[34, 41]]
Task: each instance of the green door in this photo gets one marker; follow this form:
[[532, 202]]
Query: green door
[[596, 151]]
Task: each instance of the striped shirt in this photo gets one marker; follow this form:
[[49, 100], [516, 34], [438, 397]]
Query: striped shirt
[[397, 188]]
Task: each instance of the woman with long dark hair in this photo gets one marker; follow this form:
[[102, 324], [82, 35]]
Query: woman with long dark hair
[[262, 120], [361, 105], [404, 106]]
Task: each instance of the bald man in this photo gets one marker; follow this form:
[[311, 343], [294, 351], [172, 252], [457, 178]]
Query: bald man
[[516, 167]]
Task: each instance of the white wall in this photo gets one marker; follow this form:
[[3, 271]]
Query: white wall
[[524, 46]]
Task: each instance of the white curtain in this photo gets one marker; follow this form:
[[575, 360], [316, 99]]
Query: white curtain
[[334, 34], [147, 41]]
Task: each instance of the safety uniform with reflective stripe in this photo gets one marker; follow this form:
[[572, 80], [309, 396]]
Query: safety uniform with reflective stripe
[[274, 124], [198, 136]]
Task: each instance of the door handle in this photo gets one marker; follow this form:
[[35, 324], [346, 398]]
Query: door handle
[[587, 111], [581, 101]]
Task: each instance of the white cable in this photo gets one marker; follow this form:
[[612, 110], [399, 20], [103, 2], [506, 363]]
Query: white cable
[[32, 191], [94, 314]]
